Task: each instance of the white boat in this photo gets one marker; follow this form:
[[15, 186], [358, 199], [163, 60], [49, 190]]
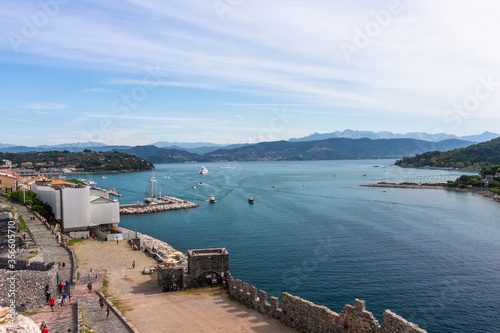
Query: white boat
[[152, 194], [203, 171], [104, 177], [211, 199]]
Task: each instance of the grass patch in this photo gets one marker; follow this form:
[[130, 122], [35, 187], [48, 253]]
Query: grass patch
[[122, 307], [105, 285], [234, 299], [210, 291], [22, 224], [30, 313], [74, 241], [34, 254]]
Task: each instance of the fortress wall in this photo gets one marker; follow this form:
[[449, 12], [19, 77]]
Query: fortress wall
[[311, 318], [28, 281]]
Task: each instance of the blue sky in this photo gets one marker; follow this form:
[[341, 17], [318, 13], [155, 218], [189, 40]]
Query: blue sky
[[230, 71]]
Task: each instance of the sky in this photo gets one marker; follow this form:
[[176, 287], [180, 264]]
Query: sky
[[135, 72]]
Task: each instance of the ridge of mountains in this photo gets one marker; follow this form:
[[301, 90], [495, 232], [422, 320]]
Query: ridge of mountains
[[208, 147], [329, 149]]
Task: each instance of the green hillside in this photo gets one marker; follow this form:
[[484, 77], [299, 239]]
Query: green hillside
[[476, 156], [87, 160]]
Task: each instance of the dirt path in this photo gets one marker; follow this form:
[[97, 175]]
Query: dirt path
[[206, 310], [116, 259]]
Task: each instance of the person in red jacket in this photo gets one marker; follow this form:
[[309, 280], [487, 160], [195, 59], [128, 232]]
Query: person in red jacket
[[51, 303]]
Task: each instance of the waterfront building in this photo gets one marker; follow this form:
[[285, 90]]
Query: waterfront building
[[78, 207]]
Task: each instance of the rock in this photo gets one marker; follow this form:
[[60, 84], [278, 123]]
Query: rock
[[21, 324]]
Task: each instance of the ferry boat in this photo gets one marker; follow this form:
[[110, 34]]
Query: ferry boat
[[211, 199], [203, 171], [251, 200]]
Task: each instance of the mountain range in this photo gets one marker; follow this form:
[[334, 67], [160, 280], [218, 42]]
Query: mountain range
[[208, 147], [351, 134]]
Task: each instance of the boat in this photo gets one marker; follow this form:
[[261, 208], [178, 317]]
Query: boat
[[203, 171], [104, 177], [194, 187], [211, 199], [251, 200], [152, 197]]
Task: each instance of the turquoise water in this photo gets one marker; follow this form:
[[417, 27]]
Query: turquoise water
[[431, 256]]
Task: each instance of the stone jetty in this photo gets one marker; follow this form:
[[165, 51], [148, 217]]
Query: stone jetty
[[174, 204]]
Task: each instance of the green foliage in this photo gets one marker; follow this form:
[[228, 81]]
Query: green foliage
[[76, 181], [87, 160], [484, 154], [37, 205]]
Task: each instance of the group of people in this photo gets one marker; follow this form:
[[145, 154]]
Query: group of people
[[44, 328], [101, 305]]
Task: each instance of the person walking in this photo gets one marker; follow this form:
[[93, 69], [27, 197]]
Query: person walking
[[96, 276], [51, 303], [69, 297], [59, 301], [133, 264], [101, 302], [63, 264], [64, 298], [107, 313]]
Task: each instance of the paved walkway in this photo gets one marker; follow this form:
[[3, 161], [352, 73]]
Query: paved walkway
[[65, 317], [94, 317], [52, 251]]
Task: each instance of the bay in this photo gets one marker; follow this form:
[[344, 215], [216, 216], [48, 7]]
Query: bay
[[430, 256]]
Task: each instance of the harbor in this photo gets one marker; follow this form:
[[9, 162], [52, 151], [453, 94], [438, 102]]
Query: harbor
[[173, 204]]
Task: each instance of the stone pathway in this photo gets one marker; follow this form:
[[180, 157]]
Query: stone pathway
[[65, 317], [59, 320], [93, 316], [52, 251]]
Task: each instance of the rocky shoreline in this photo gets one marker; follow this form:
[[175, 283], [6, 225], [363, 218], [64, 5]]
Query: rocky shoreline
[[481, 191], [162, 249]]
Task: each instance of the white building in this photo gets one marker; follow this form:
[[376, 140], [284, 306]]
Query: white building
[[78, 207]]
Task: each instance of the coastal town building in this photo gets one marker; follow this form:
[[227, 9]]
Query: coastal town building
[[6, 164], [78, 207], [8, 182]]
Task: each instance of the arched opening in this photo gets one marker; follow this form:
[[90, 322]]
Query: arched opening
[[207, 279]]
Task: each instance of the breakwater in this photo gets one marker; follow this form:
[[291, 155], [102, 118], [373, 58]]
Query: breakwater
[[481, 191], [311, 318], [174, 204]]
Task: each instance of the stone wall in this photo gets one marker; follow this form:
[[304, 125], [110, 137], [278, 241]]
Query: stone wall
[[30, 281], [311, 318]]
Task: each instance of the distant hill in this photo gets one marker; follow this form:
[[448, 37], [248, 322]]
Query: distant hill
[[162, 155], [478, 155], [351, 134], [87, 160], [331, 149]]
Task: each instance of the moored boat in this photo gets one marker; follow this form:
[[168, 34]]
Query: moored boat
[[251, 200], [203, 171], [211, 199]]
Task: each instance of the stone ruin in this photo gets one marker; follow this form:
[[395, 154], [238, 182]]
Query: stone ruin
[[308, 317], [31, 279], [204, 267]]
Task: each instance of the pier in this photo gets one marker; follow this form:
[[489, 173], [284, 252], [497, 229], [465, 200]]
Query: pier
[[174, 204]]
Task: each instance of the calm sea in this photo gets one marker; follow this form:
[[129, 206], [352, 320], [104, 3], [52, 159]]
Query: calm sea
[[430, 256]]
